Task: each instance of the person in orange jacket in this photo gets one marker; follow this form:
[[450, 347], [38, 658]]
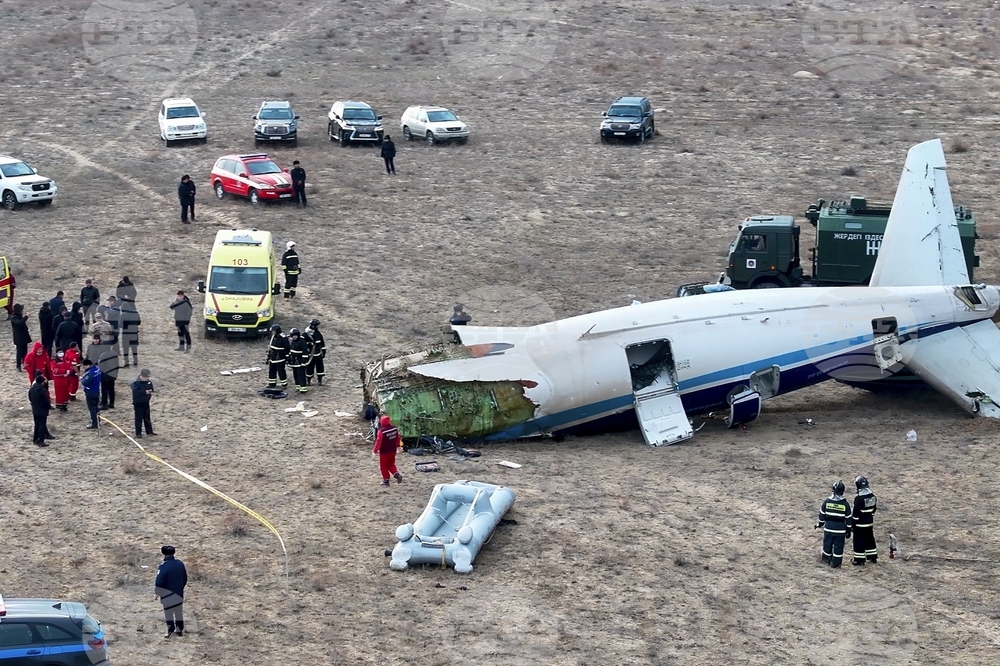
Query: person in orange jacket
[[61, 371], [73, 356], [387, 442], [37, 359]]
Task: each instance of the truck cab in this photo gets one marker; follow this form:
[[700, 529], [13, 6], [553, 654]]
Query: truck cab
[[241, 286], [849, 233], [765, 253]]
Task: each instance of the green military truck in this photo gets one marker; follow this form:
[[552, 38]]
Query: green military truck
[[765, 254]]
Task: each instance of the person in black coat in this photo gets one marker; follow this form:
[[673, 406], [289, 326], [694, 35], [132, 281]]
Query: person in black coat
[[41, 405], [125, 290], [129, 323], [389, 154], [90, 298], [108, 362], [298, 175], [67, 331], [171, 579], [142, 392], [185, 192], [182, 317], [46, 330], [76, 314], [19, 329], [56, 302]]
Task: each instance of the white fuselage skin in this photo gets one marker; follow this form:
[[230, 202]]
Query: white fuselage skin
[[717, 341]]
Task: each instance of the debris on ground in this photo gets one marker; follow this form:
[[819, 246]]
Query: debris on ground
[[427, 466], [507, 463], [239, 371], [911, 436]]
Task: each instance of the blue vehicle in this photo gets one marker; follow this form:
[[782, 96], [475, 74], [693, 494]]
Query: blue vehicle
[[49, 632]]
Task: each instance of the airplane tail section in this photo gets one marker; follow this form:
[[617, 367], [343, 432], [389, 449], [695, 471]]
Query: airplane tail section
[[921, 245]]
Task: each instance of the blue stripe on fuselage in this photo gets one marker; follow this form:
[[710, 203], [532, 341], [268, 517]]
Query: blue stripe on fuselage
[[708, 398]]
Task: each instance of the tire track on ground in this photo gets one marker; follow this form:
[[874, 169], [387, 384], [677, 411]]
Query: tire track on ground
[[221, 217], [277, 37]]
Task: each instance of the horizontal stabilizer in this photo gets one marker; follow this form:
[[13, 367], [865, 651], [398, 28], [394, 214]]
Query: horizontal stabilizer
[[962, 363], [921, 245]]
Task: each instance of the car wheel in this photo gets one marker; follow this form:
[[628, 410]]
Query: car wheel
[[220, 193], [166, 142], [9, 200], [329, 132], [254, 199], [642, 136], [767, 284], [343, 138], [406, 134], [604, 139], [430, 138]]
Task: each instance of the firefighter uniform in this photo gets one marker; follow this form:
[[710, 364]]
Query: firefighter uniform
[[277, 354], [865, 505], [290, 265], [298, 359], [835, 518], [315, 367]]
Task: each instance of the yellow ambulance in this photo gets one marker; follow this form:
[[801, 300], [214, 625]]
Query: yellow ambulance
[[241, 284]]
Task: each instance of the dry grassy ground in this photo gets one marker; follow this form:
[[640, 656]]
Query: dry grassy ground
[[702, 553]]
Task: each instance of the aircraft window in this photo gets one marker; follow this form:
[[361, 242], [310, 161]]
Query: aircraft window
[[971, 295], [754, 243]]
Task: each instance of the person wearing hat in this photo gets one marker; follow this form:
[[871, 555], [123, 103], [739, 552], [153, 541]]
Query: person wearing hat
[[835, 519], [865, 505], [298, 175], [388, 153], [318, 346], [171, 579], [91, 382], [277, 354], [185, 192], [459, 317], [142, 392], [182, 318], [387, 442], [290, 265]]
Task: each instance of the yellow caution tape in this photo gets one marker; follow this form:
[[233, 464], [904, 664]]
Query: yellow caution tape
[[250, 512]]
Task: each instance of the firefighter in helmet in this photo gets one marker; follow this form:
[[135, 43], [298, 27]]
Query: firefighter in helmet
[[865, 504], [835, 519]]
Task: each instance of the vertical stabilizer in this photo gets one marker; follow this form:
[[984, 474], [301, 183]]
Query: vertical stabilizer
[[921, 245]]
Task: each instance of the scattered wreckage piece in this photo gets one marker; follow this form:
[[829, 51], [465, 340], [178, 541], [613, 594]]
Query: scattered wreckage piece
[[458, 520]]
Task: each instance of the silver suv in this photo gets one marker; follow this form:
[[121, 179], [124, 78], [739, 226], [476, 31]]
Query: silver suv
[[275, 121], [350, 122]]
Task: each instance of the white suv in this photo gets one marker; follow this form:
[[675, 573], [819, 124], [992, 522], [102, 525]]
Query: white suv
[[181, 120], [434, 124], [20, 184]]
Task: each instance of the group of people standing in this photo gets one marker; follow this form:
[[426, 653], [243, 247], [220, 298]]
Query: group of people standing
[[303, 352], [60, 357], [839, 520]]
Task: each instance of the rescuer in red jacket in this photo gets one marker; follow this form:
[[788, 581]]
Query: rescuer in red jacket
[[387, 442], [61, 371]]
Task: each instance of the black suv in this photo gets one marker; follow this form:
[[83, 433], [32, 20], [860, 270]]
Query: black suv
[[628, 118], [49, 632]]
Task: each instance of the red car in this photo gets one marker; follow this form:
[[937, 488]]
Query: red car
[[256, 177]]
